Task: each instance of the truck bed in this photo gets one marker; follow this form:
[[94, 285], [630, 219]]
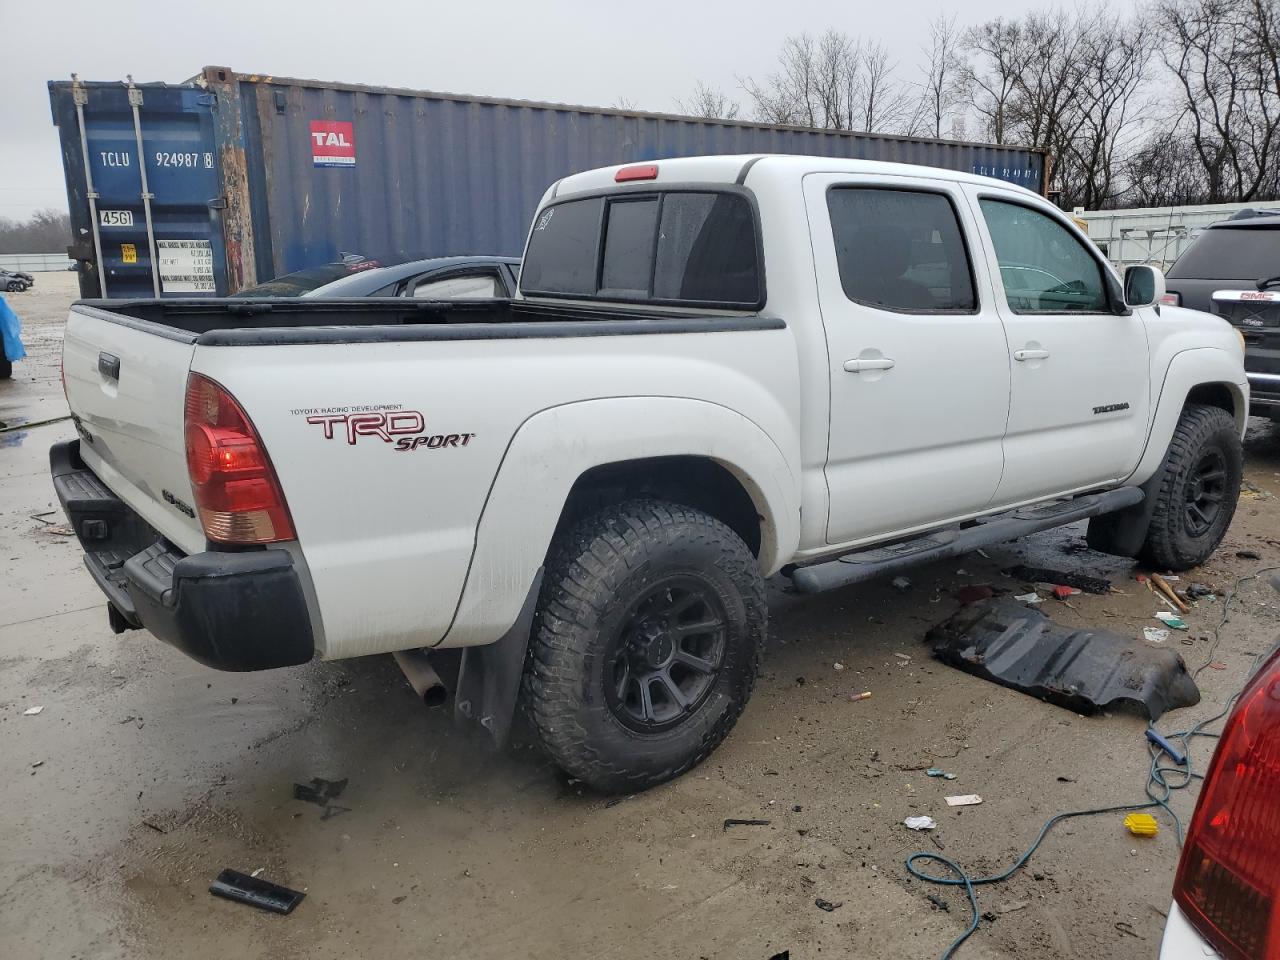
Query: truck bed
[[223, 322]]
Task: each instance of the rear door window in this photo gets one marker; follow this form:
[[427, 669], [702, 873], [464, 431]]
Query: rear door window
[[901, 250], [1231, 253], [678, 247]]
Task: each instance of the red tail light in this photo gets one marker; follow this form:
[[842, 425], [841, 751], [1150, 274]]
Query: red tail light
[[237, 494], [646, 171], [1171, 299], [1228, 882]]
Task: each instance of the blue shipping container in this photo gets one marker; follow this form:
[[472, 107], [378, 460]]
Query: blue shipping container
[[257, 176]]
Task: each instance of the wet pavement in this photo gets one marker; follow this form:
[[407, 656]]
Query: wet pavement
[[146, 774]]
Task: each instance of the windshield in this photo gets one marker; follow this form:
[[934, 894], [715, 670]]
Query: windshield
[[304, 281], [1230, 253]]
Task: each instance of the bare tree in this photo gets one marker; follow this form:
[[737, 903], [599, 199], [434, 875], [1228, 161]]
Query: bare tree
[[942, 78], [1229, 90], [835, 82], [1001, 55], [45, 231], [708, 102]]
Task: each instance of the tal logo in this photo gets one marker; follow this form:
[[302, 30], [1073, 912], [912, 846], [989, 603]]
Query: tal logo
[[333, 143]]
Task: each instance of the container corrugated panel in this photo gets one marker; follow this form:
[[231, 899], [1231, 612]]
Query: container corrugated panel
[[257, 176], [435, 175], [178, 149]]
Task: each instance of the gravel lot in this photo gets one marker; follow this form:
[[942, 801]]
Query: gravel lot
[[146, 774]]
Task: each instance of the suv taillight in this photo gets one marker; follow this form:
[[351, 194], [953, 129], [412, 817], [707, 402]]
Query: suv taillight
[[1171, 299], [1228, 881], [236, 491]]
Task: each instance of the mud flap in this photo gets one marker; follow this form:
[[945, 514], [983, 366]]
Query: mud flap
[[1086, 671], [1123, 532], [489, 677]]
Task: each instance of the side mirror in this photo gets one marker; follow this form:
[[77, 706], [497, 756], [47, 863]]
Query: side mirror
[[1143, 285]]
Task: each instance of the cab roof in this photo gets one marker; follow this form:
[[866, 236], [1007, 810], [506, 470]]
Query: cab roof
[[759, 168]]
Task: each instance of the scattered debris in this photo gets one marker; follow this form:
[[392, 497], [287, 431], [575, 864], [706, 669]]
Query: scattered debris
[[1217, 665], [973, 592], [939, 903], [1198, 591], [1176, 755], [263, 894], [827, 905], [152, 825], [1127, 929], [399, 900], [901, 582], [1141, 824], [920, 823], [1247, 555], [1171, 620], [1086, 671], [58, 530], [904, 657], [322, 793], [964, 800], [33, 711], [745, 823], [1155, 634], [1043, 575], [257, 872], [837, 666], [1066, 779], [796, 808], [1062, 592], [1013, 907], [855, 697], [936, 772], [989, 916], [1031, 597], [1170, 594]]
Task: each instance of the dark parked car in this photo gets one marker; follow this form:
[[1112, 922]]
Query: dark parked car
[[439, 278], [1233, 269], [14, 282]]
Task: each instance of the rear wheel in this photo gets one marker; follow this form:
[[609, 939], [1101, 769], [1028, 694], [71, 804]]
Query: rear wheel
[[646, 643], [1197, 497]]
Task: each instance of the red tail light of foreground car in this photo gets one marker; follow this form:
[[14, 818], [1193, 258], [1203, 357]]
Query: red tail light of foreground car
[[1228, 881]]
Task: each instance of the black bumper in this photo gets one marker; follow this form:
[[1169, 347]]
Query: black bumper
[[232, 611]]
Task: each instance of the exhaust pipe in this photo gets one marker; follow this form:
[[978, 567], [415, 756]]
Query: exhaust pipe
[[422, 677]]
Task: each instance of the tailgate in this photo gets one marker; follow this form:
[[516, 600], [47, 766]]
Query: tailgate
[[126, 384], [1256, 313]]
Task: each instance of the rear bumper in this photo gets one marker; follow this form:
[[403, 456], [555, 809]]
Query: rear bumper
[[232, 611]]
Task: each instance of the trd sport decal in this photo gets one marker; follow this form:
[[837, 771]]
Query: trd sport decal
[[406, 429]]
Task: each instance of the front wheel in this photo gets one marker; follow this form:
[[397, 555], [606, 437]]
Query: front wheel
[[646, 643], [1197, 497], [13, 287]]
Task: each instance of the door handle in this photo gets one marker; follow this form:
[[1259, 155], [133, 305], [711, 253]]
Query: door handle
[[858, 364], [1030, 354]]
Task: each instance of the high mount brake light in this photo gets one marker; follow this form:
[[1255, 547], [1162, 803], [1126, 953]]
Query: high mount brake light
[[646, 171], [236, 491], [1228, 883]]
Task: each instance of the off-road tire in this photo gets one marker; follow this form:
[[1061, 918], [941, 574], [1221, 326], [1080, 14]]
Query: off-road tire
[[1202, 434], [596, 573]]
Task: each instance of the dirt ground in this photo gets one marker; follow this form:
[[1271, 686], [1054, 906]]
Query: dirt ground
[[147, 773]]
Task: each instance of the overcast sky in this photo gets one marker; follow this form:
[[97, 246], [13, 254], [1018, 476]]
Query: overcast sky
[[649, 53]]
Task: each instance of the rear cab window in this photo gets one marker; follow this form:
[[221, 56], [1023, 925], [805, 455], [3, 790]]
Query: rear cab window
[[679, 246], [1230, 253]]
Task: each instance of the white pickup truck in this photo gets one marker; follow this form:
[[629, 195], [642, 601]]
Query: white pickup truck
[[717, 369]]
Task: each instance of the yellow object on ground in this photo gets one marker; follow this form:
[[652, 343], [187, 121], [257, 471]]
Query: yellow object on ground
[[1142, 824]]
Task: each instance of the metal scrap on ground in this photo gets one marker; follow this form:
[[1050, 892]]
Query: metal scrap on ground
[[1059, 577], [1086, 671]]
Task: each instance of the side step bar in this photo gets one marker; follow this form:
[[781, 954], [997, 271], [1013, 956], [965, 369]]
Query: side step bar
[[940, 545]]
